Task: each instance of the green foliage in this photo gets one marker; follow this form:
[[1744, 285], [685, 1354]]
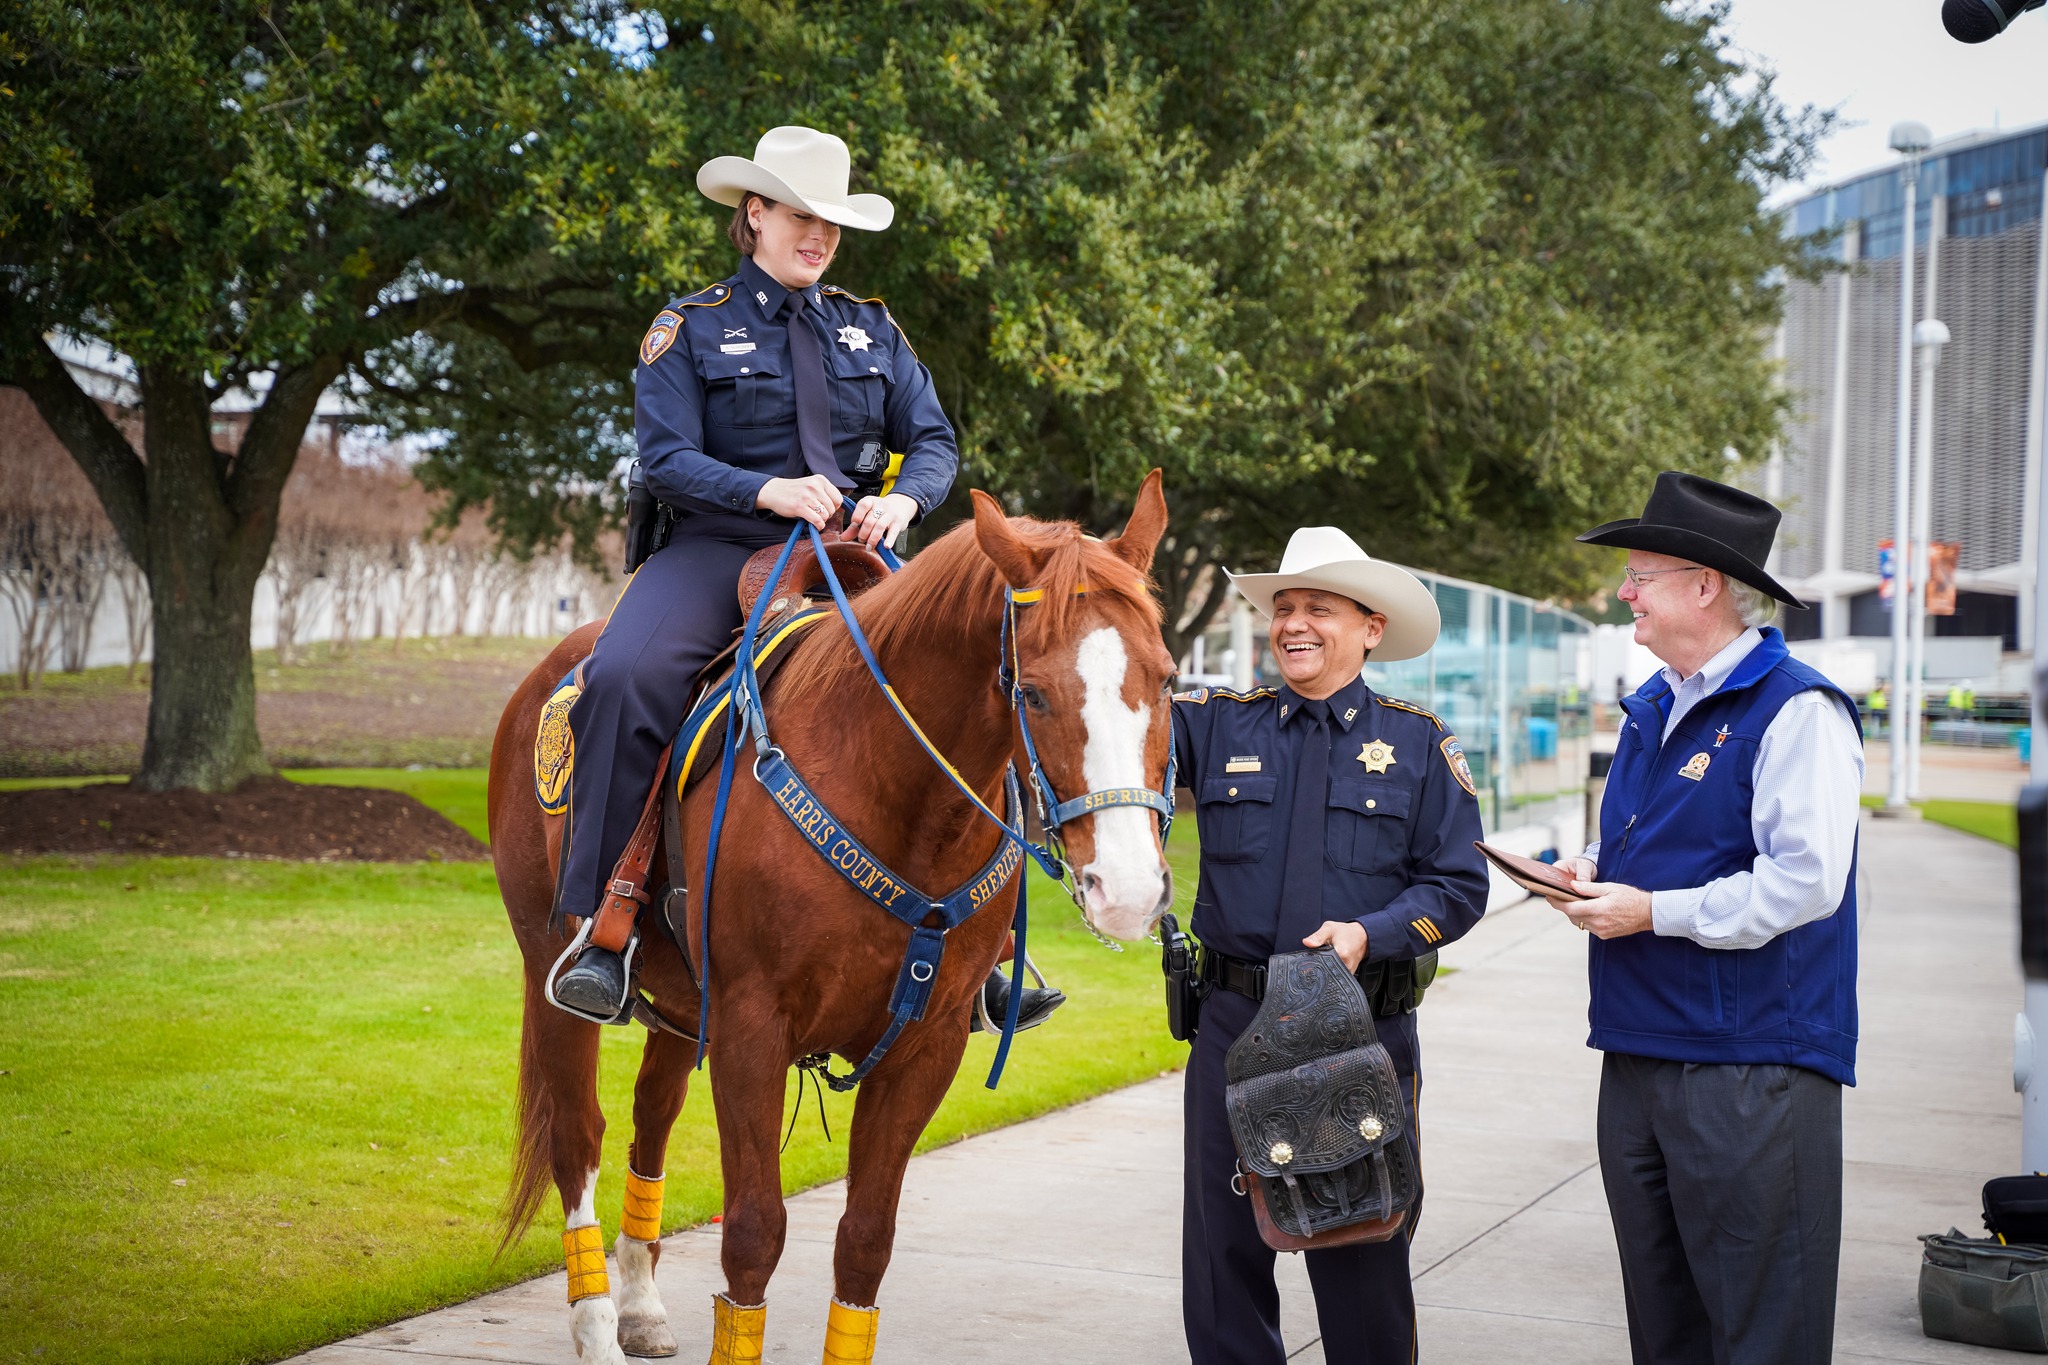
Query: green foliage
[[291, 1119]]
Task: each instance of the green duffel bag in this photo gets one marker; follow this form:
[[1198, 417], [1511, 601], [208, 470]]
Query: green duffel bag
[[1983, 1292]]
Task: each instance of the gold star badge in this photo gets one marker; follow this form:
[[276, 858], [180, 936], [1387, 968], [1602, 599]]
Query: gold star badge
[[1378, 756]]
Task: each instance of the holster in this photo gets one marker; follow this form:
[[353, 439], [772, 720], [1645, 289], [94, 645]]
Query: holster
[[1183, 982], [648, 519], [1316, 1111]]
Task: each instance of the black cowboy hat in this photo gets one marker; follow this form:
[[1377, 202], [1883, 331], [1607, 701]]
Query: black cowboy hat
[[1688, 517]]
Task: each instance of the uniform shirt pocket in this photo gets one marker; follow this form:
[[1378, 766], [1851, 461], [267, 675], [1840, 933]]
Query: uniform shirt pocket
[[1235, 814], [746, 391], [1368, 828], [860, 389]]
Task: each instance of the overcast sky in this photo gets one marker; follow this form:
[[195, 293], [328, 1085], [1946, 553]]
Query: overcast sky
[[1880, 61]]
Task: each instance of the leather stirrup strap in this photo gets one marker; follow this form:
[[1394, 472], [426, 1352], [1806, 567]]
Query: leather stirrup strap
[[627, 890]]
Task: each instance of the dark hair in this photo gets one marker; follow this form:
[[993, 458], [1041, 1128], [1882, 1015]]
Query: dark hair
[[740, 230]]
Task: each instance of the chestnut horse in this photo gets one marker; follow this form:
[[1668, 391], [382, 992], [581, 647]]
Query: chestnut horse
[[802, 963]]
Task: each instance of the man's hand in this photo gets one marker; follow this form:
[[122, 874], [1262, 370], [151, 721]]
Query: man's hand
[[1580, 869], [1346, 936], [1616, 911], [882, 519]]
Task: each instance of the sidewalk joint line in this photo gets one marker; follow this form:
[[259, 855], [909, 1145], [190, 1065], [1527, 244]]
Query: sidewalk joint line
[[1492, 1228]]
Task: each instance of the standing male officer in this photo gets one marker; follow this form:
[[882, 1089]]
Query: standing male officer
[[1723, 958], [1329, 816]]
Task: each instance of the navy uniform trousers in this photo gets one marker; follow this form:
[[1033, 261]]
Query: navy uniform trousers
[[1365, 1300], [679, 610]]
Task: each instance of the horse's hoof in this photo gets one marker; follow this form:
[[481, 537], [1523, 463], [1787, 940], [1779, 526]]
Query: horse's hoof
[[646, 1337]]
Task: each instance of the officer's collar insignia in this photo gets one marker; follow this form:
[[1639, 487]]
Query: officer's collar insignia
[[854, 339], [1243, 763], [760, 298], [1720, 736], [1377, 756], [1350, 714], [1454, 754], [1283, 710], [660, 336], [1696, 766]]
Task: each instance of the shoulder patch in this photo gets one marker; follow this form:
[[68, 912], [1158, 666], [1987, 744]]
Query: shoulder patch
[[1196, 696], [660, 336], [1454, 755], [1429, 716]]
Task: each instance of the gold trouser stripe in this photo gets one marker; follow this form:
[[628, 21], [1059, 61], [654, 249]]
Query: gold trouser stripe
[[583, 1250], [850, 1334], [736, 1332], [642, 1218]]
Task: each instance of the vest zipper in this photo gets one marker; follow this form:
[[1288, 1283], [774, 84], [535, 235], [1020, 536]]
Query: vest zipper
[[1621, 845]]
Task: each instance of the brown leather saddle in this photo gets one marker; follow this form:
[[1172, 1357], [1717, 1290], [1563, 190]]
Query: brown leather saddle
[[858, 568], [1317, 1113]]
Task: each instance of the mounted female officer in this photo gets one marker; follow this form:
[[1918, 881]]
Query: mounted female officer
[[759, 401]]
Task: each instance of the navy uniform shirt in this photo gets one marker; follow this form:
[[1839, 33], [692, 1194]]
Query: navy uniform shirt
[[715, 405], [1397, 851]]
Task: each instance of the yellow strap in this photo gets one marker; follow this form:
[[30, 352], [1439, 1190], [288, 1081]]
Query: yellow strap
[[850, 1334], [736, 1332], [890, 474], [583, 1250], [642, 1218]]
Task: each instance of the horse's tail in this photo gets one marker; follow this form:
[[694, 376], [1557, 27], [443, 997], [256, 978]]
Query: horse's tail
[[533, 1158]]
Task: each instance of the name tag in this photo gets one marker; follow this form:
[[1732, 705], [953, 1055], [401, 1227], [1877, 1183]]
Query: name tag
[[1242, 765], [737, 347]]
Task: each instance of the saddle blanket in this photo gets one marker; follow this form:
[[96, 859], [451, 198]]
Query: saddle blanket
[[554, 747]]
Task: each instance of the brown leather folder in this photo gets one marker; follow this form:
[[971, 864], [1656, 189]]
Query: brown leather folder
[[1539, 879]]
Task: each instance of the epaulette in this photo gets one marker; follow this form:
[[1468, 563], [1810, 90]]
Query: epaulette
[[1256, 694], [710, 296], [1429, 716], [849, 294]]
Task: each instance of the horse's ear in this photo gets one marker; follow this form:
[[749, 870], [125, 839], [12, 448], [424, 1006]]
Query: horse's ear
[[1001, 543], [1141, 533]]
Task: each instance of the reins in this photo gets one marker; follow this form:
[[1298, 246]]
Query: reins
[[859, 867]]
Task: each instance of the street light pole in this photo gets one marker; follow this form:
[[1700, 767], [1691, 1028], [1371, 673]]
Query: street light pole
[[1909, 139], [1928, 338]]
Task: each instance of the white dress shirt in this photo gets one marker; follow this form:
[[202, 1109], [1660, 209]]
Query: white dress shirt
[[1809, 783]]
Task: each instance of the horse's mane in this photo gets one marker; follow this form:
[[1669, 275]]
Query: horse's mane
[[951, 588]]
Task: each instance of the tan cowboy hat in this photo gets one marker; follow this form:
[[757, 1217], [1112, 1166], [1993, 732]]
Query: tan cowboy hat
[[1324, 557], [799, 166]]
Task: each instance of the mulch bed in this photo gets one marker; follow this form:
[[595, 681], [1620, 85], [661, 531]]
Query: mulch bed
[[267, 817]]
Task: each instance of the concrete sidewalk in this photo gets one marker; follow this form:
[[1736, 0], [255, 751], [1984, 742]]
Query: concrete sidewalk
[[1058, 1240]]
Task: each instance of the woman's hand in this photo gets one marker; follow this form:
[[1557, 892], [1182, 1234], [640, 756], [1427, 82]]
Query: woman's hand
[[811, 498], [882, 519]]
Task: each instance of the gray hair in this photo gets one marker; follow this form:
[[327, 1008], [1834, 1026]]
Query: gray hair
[[1754, 606]]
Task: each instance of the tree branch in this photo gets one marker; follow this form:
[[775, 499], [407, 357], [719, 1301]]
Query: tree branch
[[116, 472], [269, 449]]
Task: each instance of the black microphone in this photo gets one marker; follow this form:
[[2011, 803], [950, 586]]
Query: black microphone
[[1975, 21]]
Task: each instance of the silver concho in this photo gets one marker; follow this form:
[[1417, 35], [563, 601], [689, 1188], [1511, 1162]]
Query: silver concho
[[1370, 1128], [1282, 1153]]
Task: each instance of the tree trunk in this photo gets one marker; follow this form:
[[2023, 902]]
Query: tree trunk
[[200, 521]]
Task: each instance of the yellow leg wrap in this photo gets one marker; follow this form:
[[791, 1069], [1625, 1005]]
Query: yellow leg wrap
[[583, 1250], [850, 1334], [736, 1332], [642, 1220]]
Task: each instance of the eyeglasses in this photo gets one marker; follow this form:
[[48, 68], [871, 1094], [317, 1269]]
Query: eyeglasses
[[1638, 577]]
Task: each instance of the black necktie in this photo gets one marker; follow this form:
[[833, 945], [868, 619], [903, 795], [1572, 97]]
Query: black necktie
[[1301, 886], [812, 453]]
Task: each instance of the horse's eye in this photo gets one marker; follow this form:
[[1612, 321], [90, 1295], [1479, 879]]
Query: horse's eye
[[1033, 698]]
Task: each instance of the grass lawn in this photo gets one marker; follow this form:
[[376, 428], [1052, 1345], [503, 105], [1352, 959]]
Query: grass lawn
[[249, 1107], [1993, 820]]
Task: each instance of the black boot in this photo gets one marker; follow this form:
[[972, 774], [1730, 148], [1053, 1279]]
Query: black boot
[[1034, 1009], [595, 983]]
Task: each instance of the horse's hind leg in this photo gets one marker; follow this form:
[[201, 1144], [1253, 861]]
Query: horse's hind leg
[[657, 1099], [564, 1049], [895, 1104]]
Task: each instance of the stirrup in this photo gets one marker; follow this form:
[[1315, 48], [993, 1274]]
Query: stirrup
[[624, 1013], [982, 1023]]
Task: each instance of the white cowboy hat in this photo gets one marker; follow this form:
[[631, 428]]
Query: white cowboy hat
[[799, 166], [1324, 557]]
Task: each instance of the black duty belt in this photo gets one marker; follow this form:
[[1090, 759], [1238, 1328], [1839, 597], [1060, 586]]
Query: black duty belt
[[1389, 986]]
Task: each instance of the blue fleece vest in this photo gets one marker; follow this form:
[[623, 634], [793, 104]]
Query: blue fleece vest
[[1676, 814]]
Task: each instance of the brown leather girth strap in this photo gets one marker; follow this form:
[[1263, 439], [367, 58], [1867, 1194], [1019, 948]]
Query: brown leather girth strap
[[627, 890]]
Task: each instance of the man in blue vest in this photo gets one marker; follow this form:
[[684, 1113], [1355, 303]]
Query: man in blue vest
[[1723, 953]]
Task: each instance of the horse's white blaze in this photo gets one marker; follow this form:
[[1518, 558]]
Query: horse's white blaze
[[1128, 876], [636, 1293]]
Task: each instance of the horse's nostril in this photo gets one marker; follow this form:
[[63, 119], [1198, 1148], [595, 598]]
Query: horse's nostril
[[1090, 883]]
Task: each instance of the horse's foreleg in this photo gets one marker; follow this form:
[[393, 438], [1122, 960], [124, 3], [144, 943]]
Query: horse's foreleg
[[895, 1104], [746, 1087], [657, 1099]]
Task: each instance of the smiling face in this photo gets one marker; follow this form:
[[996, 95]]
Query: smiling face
[[1320, 639], [1683, 613], [793, 246]]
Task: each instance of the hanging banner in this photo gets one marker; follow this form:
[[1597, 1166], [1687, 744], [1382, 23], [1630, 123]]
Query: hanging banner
[[1941, 576], [1884, 571]]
